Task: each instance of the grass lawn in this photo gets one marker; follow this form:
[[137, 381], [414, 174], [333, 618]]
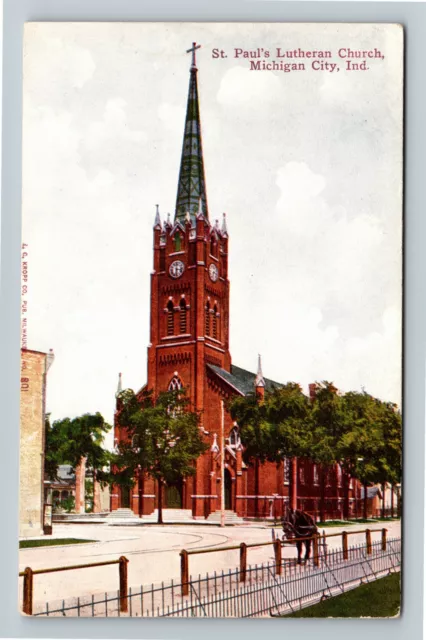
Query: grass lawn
[[46, 542], [379, 599], [349, 523]]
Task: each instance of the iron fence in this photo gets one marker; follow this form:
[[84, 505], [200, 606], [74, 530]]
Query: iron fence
[[265, 589]]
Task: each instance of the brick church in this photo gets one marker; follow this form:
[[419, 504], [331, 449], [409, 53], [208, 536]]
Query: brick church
[[189, 347]]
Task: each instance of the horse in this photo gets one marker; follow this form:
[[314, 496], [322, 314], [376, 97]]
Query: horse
[[299, 524]]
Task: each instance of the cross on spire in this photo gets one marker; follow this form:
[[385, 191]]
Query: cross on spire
[[192, 50]]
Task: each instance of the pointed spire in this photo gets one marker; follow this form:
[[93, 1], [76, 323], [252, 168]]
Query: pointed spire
[[191, 185], [119, 385], [259, 382], [215, 447], [157, 221], [224, 226]]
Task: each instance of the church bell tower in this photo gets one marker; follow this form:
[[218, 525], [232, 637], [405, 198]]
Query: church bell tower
[[189, 283]]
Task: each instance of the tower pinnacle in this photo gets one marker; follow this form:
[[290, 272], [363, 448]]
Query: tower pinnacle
[[191, 185], [119, 385], [157, 221], [259, 382]]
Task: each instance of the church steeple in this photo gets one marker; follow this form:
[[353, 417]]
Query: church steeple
[[191, 185]]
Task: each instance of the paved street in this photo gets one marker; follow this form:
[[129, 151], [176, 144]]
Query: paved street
[[153, 553]]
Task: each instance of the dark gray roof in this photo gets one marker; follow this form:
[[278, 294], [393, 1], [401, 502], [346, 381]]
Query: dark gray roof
[[372, 492], [242, 380], [65, 473]]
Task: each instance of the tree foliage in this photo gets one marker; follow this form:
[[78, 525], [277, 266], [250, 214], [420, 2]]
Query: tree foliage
[[162, 438], [67, 441], [361, 433]]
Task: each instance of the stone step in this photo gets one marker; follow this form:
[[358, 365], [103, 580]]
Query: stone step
[[121, 513], [170, 515], [230, 517]]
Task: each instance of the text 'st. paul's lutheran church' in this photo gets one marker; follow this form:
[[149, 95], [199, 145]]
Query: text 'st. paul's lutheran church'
[[189, 347]]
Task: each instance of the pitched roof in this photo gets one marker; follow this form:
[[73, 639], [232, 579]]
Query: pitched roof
[[65, 472], [241, 380], [372, 492]]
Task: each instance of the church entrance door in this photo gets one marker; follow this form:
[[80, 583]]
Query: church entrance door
[[125, 497], [228, 490], [174, 496]]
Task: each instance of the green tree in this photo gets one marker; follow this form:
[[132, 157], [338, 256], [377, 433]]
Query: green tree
[[371, 444], [162, 438], [68, 504], [51, 447], [273, 427], [327, 425], [67, 441]]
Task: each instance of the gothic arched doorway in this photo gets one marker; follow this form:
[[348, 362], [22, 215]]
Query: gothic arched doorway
[[174, 495], [228, 490]]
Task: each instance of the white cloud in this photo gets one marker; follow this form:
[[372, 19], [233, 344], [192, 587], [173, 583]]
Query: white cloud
[[112, 128], [172, 117], [320, 259], [70, 64], [244, 88]]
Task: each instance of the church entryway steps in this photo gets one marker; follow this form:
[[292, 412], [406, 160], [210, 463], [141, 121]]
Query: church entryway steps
[[170, 516], [230, 517]]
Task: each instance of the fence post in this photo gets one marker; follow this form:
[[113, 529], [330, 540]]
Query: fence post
[[122, 568], [316, 554], [243, 561], [368, 540], [28, 591], [184, 572], [324, 544], [384, 539], [345, 544], [278, 556]]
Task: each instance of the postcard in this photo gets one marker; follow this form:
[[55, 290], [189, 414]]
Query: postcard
[[211, 327]]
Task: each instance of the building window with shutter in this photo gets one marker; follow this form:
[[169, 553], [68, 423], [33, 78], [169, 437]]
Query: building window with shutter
[[182, 316], [170, 319], [215, 333], [207, 328]]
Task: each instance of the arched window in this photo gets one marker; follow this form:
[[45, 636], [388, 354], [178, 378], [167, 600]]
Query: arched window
[[316, 476], [170, 319], [339, 475], [182, 316], [178, 242], [215, 322], [135, 444], [175, 383], [234, 438], [207, 330]]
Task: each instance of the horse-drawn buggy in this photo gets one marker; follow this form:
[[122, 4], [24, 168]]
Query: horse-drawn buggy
[[299, 526]]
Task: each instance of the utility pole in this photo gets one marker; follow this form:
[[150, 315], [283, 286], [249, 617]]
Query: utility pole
[[222, 465]]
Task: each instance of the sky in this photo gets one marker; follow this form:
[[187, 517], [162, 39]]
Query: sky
[[307, 166]]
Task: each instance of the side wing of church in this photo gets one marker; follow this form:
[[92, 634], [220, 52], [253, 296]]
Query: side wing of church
[[189, 347]]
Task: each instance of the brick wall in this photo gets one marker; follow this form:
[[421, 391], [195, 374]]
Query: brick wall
[[31, 470]]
